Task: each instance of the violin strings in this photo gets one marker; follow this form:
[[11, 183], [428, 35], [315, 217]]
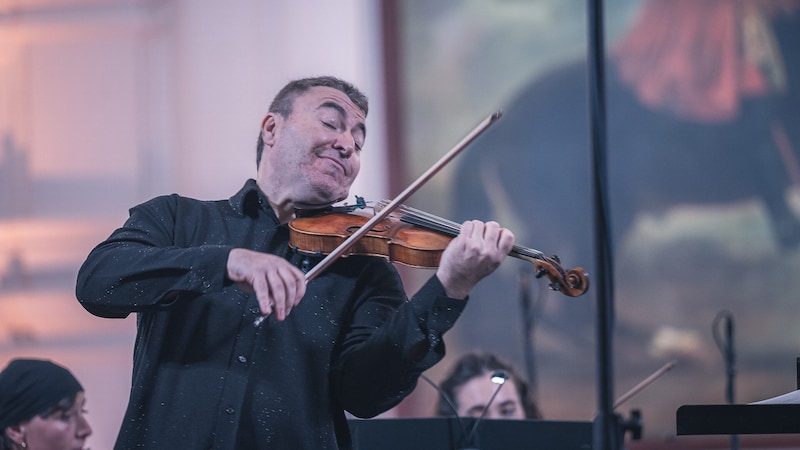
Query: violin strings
[[435, 223]]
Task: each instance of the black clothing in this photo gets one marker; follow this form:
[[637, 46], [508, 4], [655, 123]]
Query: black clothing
[[205, 377]]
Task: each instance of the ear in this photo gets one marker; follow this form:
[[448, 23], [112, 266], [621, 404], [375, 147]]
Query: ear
[[16, 433], [268, 128]]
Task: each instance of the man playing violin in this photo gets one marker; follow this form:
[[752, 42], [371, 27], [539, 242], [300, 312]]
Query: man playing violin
[[199, 273]]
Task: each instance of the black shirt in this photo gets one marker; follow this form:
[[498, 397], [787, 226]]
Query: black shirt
[[205, 377]]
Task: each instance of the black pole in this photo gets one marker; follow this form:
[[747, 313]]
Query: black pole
[[606, 427], [723, 335], [730, 372], [529, 313]]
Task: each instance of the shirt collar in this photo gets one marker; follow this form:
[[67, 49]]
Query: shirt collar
[[250, 200]]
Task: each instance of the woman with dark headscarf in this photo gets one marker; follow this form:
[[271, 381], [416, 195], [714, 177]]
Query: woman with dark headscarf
[[41, 407], [471, 386]]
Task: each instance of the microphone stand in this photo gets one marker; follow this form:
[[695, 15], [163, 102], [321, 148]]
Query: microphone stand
[[725, 345], [498, 378], [529, 314], [449, 403], [608, 432]]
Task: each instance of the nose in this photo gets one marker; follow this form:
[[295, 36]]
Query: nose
[[84, 430], [346, 144]]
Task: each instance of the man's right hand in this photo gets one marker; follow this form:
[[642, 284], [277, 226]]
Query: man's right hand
[[278, 284]]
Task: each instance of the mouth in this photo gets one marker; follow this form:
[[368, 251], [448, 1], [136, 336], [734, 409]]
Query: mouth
[[338, 163]]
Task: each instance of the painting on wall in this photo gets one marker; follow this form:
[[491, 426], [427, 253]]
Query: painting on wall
[[702, 133]]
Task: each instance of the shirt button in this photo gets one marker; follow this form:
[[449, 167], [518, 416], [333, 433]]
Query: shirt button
[[242, 359], [229, 410]]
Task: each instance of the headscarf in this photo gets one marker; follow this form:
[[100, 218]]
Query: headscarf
[[28, 387]]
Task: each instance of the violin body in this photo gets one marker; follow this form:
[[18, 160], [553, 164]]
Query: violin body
[[390, 238]]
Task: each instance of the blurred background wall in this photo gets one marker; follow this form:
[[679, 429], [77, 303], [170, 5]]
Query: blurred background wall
[[106, 103]]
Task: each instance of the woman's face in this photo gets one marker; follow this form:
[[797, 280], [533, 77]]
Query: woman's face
[[62, 430], [473, 396]]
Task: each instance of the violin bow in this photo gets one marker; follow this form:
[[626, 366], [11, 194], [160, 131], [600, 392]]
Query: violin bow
[[397, 201]]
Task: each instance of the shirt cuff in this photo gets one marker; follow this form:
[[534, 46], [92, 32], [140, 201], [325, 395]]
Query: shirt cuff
[[438, 311]]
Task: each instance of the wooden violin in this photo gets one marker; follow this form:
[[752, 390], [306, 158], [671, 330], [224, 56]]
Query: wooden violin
[[411, 237]]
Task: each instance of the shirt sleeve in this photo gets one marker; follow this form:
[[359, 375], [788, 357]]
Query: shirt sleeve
[[140, 268], [380, 365]]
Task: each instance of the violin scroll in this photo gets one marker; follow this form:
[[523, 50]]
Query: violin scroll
[[573, 282]]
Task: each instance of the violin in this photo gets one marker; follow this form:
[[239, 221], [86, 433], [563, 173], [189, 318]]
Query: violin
[[410, 237], [413, 234]]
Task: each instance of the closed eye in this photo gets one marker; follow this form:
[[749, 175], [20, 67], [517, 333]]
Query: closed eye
[[475, 411], [508, 408]]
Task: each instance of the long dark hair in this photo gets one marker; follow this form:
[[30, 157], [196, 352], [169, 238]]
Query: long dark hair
[[475, 364]]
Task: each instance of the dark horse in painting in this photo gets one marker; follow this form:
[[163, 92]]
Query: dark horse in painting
[[704, 124], [725, 144]]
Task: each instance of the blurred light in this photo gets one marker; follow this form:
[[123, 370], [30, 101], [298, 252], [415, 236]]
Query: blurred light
[[499, 378]]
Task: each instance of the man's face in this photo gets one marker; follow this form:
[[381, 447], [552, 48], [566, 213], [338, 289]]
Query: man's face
[[312, 157]]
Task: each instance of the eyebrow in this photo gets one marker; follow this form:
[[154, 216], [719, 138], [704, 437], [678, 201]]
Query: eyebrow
[[340, 110]]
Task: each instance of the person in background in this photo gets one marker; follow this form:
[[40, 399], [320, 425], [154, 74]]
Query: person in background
[[234, 348], [469, 387], [41, 407]]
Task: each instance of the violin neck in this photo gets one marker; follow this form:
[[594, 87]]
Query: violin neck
[[573, 282], [447, 227]]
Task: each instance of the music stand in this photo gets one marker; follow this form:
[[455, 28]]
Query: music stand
[[444, 433]]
